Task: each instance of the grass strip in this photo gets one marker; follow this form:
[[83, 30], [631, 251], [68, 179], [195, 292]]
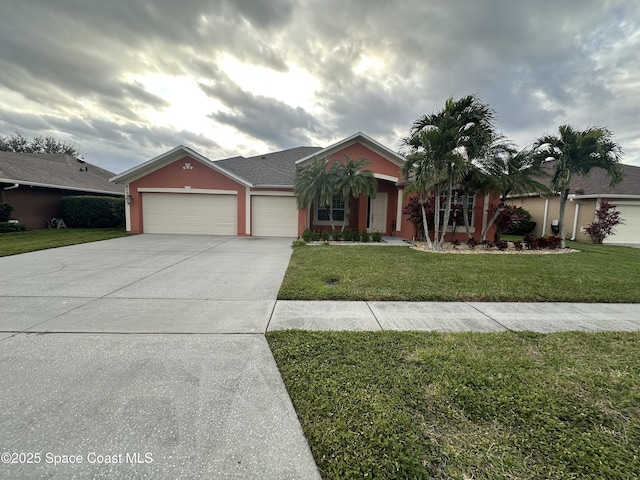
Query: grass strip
[[32, 240], [512, 405]]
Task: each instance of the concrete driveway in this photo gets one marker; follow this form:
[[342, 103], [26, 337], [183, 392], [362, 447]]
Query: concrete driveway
[[143, 357]]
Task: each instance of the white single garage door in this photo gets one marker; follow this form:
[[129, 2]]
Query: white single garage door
[[629, 232], [274, 216], [191, 213]]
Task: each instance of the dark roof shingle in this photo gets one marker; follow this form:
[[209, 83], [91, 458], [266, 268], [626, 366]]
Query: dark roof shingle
[[55, 170], [272, 169]]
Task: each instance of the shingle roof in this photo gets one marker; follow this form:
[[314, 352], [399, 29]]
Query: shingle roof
[[597, 182], [272, 169], [55, 170]]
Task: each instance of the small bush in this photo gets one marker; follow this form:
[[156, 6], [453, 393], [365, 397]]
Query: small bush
[[376, 237], [306, 235], [86, 211], [541, 243], [8, 227], [518, 246], [553, 242], [325, 235], [502, 245], [297, 243], [5, 212], [455, 242], [365, 236], [472, 243], [337, 235], [315, 236]]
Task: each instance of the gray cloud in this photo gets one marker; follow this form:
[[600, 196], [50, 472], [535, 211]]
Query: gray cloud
[[539, 64]]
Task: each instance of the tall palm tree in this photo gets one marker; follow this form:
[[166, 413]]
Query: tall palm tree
[[577, 152], [441, 148], [349, 180], [314, 183]]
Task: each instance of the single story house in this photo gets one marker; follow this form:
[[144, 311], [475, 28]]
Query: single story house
[[584, 198], [181, 191], [34, 183]]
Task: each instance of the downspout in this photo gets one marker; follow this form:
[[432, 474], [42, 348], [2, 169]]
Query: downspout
[[575, 219], [546, 212]]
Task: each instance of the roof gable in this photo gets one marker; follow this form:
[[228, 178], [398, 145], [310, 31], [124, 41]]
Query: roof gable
[[166, 158], [361, 138], [55, 171]]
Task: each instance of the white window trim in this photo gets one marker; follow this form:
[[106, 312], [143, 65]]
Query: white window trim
[[323, 222]]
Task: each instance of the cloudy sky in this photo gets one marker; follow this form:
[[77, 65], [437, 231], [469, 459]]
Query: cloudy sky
[[127, 80]]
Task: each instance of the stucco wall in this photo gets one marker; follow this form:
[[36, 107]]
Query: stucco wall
[[196, 176]]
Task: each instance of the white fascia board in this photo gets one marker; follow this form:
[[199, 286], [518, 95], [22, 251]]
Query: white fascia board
[[603, 195], [59, 187], [271, 193], [372, 144], [272, 186], [208, 191], [171, 156]]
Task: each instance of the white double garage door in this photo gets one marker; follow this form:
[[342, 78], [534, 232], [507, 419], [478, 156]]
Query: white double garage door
[[215, 214]]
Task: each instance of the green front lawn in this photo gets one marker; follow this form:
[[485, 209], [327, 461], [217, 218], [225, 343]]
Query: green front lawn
[[472, 405], [598, 273], [32, 240]]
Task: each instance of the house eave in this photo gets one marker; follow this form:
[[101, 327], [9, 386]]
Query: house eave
[[603, 195], [59, 187]]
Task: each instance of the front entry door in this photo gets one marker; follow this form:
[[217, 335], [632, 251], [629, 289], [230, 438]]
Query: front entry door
[[378, 213]]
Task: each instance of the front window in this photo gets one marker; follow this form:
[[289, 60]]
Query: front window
[[456, 209], [337, 204]]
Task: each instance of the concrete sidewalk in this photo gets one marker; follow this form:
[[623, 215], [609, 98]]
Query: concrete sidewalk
[[454, 316]]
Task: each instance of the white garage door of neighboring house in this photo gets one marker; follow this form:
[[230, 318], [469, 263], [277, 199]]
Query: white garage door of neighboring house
[[191, 213], [274, 216], [629, 232]]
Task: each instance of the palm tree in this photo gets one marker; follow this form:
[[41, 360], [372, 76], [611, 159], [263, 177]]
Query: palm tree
[[577, 152], [349, 180], [510, 172], [314, 183], [441, 148]]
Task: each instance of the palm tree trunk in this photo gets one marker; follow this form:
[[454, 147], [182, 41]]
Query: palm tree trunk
[[436, 221], [465, 214], [333, 227], [347, 213], [426, 227], [563, 204], [447, 209], [491, 221]]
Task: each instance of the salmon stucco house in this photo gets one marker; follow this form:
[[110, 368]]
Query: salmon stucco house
[[181, 191]]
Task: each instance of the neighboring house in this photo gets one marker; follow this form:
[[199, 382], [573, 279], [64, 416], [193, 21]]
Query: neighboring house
[[181, 191], [585, 195], [34, 183]]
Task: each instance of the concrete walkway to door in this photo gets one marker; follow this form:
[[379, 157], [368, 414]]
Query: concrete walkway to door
[[145, 357]]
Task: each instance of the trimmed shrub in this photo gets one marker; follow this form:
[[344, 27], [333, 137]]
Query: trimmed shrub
[[92, 211], [324, 235], [306, 235], [8, 227], [376, 237], [5, 212], [541, 243], [502, 245], [337, 235], [365, 236]]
